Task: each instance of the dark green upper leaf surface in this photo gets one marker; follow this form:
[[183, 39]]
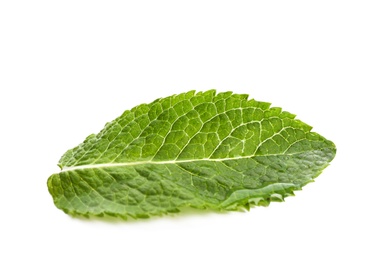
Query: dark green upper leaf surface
[[204, 150]]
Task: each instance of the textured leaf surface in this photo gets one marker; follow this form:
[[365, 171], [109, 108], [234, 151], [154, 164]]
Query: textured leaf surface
[[203, 150]]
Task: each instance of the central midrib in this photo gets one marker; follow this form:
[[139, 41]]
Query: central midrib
[[108, 165]]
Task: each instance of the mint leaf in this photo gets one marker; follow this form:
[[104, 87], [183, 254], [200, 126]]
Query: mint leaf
[[201, 150]]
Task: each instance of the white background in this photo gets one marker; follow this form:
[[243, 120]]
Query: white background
[[68, 67]]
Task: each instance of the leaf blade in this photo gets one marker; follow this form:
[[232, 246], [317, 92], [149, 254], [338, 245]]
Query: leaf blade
[[203, 150]]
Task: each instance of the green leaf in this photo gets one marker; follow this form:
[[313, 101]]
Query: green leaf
[[202, 150]]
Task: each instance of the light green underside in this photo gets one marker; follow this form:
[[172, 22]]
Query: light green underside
[[201, 150]]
